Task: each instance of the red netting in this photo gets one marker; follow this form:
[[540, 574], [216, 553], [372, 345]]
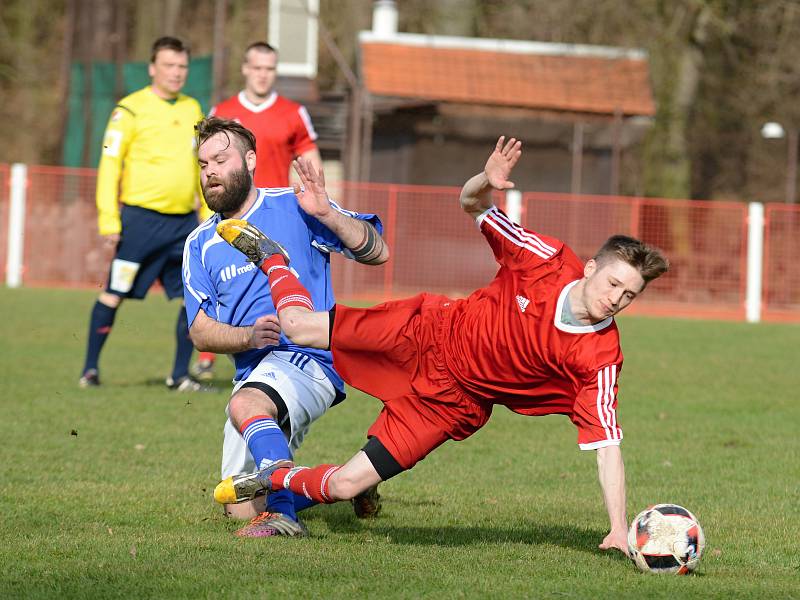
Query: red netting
[[705, 242], [781, 266], [436, 248], [62, 245]]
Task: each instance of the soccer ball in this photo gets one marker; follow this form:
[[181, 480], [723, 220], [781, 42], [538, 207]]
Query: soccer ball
[[666, 538]]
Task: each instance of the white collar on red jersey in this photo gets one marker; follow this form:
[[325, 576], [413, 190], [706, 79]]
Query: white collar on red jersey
[[257, 108], [576, 328]]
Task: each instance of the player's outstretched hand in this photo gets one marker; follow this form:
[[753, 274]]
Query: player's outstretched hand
[[615, 539], [266, 332], [312, 196], [501, 162]]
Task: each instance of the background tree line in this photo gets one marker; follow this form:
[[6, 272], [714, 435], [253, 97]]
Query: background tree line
[[719, 68]]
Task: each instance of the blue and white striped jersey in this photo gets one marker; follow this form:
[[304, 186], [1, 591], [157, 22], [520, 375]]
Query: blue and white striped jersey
[[218, 279]]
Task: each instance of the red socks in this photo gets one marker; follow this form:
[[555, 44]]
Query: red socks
[[285, 286], [310, 482]]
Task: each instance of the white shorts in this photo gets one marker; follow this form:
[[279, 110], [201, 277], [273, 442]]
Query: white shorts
[[307, 393]]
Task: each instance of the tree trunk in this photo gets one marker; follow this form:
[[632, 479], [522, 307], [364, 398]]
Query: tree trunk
[[680, 72], [85, 23], [172, 9], [220, 51], [65, 71], [120, 45]]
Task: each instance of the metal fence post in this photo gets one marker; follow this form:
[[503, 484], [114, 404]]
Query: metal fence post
[[755, 255], [16, 225]]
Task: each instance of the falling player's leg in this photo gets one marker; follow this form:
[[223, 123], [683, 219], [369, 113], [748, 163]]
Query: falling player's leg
[[291, 299], [328, 483], [324, 483]]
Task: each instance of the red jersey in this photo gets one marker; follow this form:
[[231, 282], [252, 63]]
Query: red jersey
[[507, 344], [283, 131]]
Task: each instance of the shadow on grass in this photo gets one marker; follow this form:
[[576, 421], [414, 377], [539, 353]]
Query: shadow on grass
[[340, 521], [585, 540]]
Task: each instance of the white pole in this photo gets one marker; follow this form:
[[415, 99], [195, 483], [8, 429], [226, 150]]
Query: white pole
[[755, 257], [16, 225], [514, 205]]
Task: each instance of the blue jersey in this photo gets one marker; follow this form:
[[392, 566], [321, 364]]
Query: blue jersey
[[218, 279]]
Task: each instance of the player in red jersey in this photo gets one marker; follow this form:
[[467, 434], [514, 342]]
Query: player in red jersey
[[539, 339], [283, 132], [282, 128]]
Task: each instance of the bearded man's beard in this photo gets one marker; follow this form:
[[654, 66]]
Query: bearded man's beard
[[234, 191]]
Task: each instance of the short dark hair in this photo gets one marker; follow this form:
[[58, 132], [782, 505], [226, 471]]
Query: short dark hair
[[649, 261], [211, 126], [168, 43], [261, 47]]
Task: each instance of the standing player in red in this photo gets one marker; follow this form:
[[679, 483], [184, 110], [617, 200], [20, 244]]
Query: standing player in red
[[282, 128], [283, 132], [539, 339]]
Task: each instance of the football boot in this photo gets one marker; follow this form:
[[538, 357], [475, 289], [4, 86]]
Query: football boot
[[268, 524], [367, 504], [241, 488], [250, 241]]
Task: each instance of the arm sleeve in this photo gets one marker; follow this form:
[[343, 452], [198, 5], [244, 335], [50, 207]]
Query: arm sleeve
[[514, 246], [595, 413], [325, 240], [116, 140], [198, 289], [304, 134]]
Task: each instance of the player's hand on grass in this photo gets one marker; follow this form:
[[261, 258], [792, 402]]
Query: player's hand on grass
[[616, 539], [266, 332], [312, 196], [501, 162]]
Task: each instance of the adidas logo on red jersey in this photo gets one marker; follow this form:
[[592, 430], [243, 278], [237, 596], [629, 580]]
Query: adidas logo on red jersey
[[523, 302]]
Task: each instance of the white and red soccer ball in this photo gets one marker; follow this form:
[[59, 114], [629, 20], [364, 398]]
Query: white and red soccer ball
[[666, 538]]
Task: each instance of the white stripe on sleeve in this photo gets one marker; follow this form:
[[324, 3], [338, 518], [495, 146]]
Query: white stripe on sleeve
[[344, 211], [523, 233], [606, 380], [513, 236], [307, 122], [612, 412], [602, 381]]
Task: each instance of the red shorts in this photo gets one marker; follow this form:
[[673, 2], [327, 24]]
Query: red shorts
[[393, 351]]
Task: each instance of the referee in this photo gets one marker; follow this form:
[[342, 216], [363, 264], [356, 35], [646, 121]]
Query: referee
[[147, 189]]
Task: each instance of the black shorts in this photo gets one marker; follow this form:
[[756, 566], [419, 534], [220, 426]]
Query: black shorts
[[150, 248]]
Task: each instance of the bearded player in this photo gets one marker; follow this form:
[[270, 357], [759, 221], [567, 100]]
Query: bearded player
[[282, 129], [280, 389], [539, 339]]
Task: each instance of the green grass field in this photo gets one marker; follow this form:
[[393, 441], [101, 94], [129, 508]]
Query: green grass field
[[106, 493]]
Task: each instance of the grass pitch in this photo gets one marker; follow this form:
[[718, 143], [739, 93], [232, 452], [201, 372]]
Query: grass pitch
[[106, 492]]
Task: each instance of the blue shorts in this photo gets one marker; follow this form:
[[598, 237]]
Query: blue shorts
[[150, 248]]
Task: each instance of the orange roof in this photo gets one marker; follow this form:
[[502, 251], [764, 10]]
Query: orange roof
[[562, 82]]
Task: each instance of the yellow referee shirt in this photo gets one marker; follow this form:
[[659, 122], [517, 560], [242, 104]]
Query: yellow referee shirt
[[149, 158]]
